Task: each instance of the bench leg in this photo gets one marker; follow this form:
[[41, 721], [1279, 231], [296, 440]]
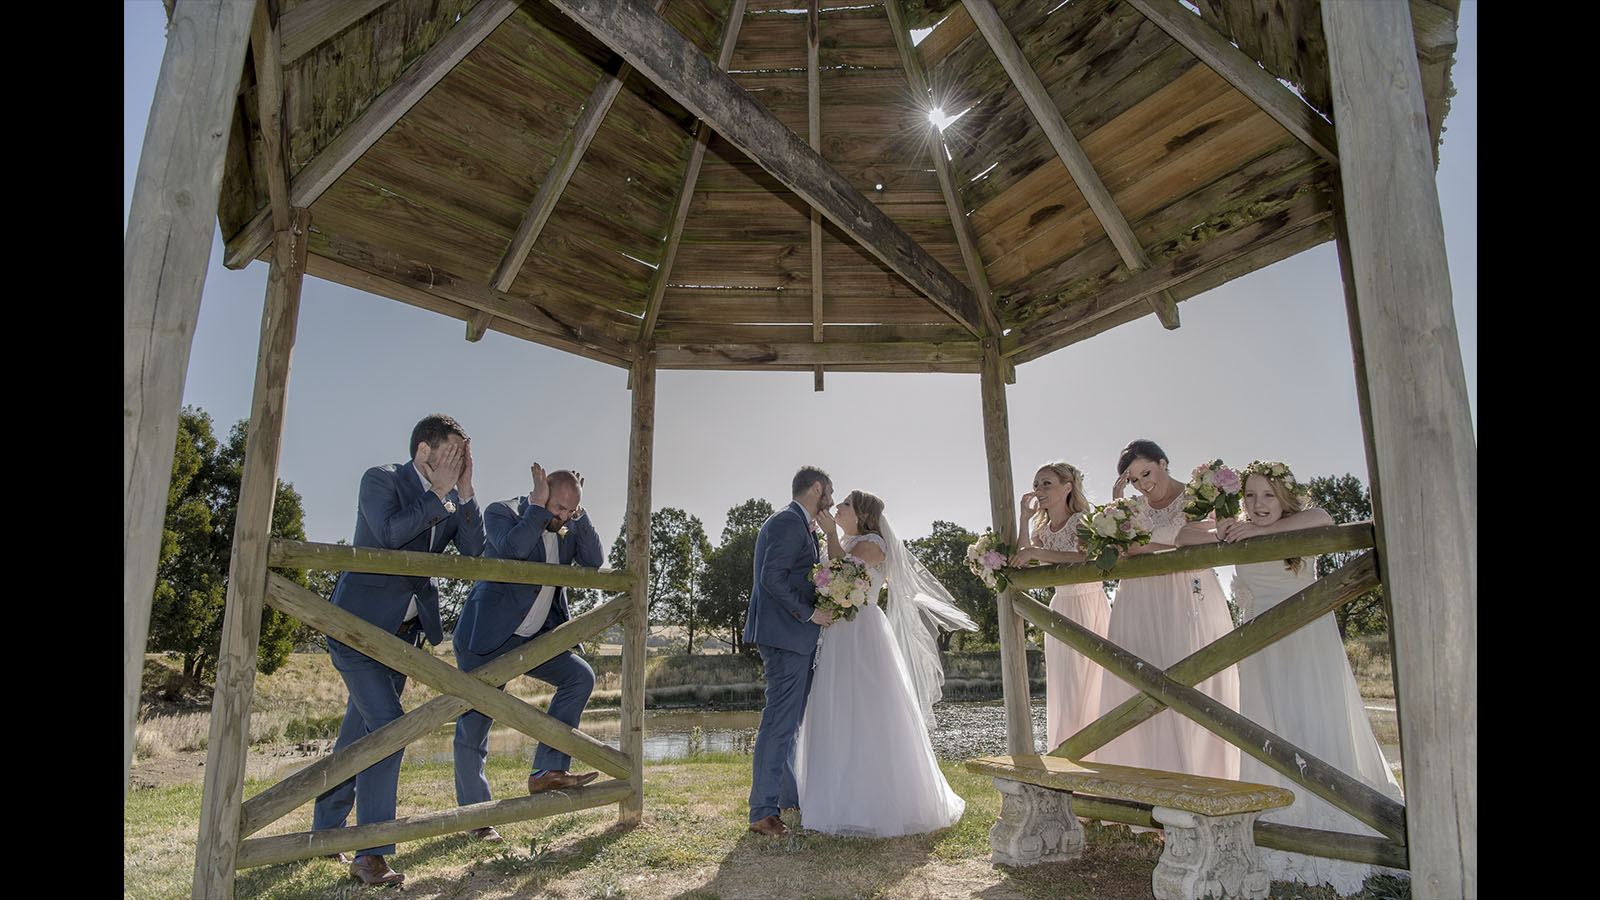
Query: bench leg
[[1036, 825], [1211, 856]]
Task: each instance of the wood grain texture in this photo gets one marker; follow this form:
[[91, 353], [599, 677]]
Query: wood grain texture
[[1013, 641], [641, 452], [229, 741], [164, 257], [1423, 437]]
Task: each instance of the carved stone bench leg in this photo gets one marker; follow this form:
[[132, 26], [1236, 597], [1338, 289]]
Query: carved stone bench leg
[[1208, 856], [1036, 825]]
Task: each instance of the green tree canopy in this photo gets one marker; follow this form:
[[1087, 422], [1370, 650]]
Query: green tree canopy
[[1346, 499], [186, 613], [726, 579], [678, 551]]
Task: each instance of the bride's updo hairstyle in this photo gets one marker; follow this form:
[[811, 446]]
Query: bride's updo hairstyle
[[869, 512], [1076, 501], [1143, 448]]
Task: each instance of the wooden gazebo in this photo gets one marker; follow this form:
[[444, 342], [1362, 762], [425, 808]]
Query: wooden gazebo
[[756, 184]]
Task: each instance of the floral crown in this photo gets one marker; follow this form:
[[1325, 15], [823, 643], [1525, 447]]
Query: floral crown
[[1278, 472]]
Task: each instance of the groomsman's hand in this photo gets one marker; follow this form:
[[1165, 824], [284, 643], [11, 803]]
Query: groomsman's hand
[[464, 482], [541, 487], [444, 469]]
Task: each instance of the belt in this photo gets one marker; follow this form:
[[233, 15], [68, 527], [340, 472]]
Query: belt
[[409, 625]]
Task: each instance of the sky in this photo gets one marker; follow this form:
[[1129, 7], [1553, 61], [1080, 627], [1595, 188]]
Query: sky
[[1260, 369]]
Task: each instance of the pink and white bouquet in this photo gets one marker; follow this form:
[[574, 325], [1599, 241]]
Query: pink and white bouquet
[[843, 586], [987, 557], [1110, 530], [1212, 486]]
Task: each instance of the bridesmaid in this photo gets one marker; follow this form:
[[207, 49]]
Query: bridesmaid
[[1301, 687], [1162, 619], [1072, 682]]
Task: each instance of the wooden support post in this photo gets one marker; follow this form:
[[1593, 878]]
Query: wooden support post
[[247, 570], [641, 446], [814, 133], [1013, 637], [1423, 441], [165, 251]]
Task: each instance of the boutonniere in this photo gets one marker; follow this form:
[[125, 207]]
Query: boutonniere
[[562, 533]]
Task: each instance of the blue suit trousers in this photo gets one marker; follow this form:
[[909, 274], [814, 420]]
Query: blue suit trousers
[[374, 702], [573, 680], [772, 786]]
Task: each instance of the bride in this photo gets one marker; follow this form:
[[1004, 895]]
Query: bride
[[863, 762]]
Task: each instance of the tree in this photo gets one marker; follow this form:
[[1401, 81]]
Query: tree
[[1346, 499], [944, 552], [678, 550], [186, 612], [726, 579]]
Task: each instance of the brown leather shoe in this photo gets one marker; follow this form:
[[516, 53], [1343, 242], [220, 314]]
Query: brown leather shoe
[[372, 869], [486, 834], [771, 825], [559, 780]]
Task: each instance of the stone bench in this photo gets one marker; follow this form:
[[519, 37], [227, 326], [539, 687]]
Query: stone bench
[[1209, 822]]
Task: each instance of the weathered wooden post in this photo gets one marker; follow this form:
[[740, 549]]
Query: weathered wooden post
[[1013, 638], [165, 251], [1421, 429], [218, 843], [640, 450]]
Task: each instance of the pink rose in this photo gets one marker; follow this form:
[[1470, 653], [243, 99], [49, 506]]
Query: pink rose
[[1228, 480], [993, 559], [823, 578]]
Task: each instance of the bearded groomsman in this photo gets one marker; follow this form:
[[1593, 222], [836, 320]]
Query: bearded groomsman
[[548, 525]]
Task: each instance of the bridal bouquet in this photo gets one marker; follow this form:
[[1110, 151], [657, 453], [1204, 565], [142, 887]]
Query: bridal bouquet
[[1212, 486], [987, 556], [842, 586], [1108, 532]]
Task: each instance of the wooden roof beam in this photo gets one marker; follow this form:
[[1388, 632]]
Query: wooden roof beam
[[269, 100], [1245, 74], [1236, 243], [568, 156], [304, 28], [355, 138], [691, 177], [1067, 148], [959, 222], [660, 53]]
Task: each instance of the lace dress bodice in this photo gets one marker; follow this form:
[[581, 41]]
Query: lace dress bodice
[[1164, 524], [877, 572], [1063, 541]]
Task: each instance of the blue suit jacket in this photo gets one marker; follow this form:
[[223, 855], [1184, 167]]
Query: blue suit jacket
[[495, 609], [782, 596], [395, 512]]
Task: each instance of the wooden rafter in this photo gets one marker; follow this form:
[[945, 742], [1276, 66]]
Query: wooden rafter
[[596, 333], [659, 52], [691, 177], [305, 27], [342, 152], [959, 222], [1238, 69], [568, 156], [1301, 213], [269, 99], [1044, 110]]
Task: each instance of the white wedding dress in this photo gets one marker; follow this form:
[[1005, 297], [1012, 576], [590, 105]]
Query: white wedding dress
[[863, 761], [1301, 689]]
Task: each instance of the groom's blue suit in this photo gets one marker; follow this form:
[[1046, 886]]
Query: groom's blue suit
[[779, 623], [394, 511]]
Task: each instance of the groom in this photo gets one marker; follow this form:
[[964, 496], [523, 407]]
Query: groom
[[783, 624]]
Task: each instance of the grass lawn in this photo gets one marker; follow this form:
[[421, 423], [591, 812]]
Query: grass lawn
[[693, 845]]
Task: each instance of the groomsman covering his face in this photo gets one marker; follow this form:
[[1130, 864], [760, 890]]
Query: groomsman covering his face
[[420, 505], [548, 525]]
